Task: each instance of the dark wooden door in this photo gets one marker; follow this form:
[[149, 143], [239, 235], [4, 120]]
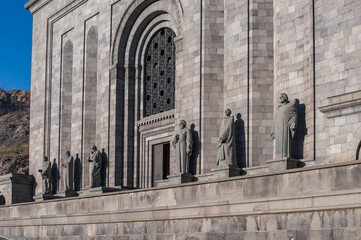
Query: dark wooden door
[[161, 164]]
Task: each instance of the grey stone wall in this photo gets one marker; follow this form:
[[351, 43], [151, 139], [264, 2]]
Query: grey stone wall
[[337, 35], [230, 54], [312, 203]]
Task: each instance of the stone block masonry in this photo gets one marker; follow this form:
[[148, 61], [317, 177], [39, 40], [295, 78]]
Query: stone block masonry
[[312, 203]]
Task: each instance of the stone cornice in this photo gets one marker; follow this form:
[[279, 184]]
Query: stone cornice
[[30, 3], [344, 104], [35, 5]]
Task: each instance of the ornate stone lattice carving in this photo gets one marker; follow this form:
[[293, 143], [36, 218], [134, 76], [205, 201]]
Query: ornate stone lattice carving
[[159, 73]]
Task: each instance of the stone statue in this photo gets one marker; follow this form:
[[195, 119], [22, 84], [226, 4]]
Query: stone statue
[[227, 142], [183, 146], [284, 126], [46, 175], [95, 165], [67, 165]]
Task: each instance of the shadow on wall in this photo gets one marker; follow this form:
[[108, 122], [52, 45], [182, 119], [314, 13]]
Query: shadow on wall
[[240, 141], [194, 157], [358, 151], [2, 200], [297, 144], [55, 176], [105, 165], [77, 173]]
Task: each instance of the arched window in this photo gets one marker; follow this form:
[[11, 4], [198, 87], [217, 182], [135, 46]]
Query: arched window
[[2, 200], [358, 151], [159, 73]]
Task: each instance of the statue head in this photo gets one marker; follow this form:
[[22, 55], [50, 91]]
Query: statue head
[[67, 153], [45, 158], [228, 112], [183, 124], [283, 98]]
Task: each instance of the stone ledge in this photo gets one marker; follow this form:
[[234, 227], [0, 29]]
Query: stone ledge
[[244, 177], [344, 104], [222, 209]]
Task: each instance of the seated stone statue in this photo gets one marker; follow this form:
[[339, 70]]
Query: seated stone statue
[[46, 175], [67, 165], [284, 126], [183, 146], [227, 144], [95, 164]]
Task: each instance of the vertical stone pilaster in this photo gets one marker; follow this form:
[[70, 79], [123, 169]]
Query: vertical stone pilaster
[[116, 125], [260, 92]]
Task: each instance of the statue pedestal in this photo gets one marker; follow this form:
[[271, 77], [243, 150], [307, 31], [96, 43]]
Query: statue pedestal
[[282, 164], [99, 190], [67, 193], [44, 197], [225, 171], [180, 178], [175, 179]]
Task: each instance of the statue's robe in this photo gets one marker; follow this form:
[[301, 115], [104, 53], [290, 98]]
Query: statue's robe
[[95, 169], [68, 173], [285, 116], [181, 147], [227, 148], [46, 176]]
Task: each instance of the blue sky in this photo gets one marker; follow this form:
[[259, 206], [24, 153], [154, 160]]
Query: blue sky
[[15, 45]]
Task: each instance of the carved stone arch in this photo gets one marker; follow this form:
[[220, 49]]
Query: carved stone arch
[[157, 23], [148, 18], [172, 7], [92, 34]]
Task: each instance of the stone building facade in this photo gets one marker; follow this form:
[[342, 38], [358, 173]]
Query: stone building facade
[[122, 74]]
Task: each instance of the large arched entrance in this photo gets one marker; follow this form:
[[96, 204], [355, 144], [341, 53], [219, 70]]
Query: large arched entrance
[[143, 80]]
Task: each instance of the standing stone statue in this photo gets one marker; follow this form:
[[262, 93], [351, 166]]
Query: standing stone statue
[[183, 146], [95, 165], [284, 126], [227, 142], [67, 165], [46, 175]]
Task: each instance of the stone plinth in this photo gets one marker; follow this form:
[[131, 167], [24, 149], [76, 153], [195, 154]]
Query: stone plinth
[[175, 179], [256, 170], [282, 164], [16, 188], [222, 172], [68, 193], [45, 197], [98, 190]]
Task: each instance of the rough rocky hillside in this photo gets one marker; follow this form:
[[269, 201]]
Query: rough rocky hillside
[[14, 131]]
